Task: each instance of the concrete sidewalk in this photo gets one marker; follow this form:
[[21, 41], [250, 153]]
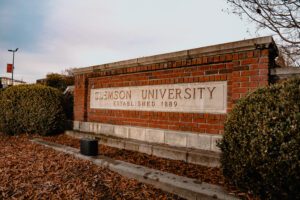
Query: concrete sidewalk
[[182, 186]]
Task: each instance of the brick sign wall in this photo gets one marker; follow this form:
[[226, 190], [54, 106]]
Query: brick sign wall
[[189, 91]]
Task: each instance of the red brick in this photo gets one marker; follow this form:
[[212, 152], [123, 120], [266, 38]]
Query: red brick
[[199, 61], [235, 56], [236, 74], [241, 68], [253, 84], [198, 73], [209, 72], [212, 131], [253, 66], [200, 120], [240, 90], [242, 55], [236, 84], [263, 72], [235, 96], [259, 78], [249, 61], [218, 77], [194, 61], [264, 83], [219, 66], [224, 77], [249, 73], [210, 59], [245, 84], [222, 58], [216, 59], [206, 78], [229, 65], [253, 72], [250, 54], [178, 63], [228, 57], [265, 52], [264, 60]]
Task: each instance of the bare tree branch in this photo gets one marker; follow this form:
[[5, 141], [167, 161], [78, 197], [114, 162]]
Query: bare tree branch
[[280, 16]]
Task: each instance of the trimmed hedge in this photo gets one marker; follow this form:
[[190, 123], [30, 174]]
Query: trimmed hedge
[[261, 143], [31, 109]]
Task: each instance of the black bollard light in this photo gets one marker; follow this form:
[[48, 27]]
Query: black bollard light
[[89, 147]]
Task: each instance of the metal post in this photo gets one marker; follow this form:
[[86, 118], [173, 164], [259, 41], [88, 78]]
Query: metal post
[[13, 65], [12, 71]]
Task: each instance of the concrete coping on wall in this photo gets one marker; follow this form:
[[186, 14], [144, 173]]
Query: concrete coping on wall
[[285, 71], [255, 43], [278, 74]]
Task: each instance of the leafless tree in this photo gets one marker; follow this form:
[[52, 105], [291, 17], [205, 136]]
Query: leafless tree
[[68, 72], [281, 17]]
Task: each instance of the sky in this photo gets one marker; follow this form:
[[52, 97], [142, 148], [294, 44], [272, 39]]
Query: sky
[[55, 35]]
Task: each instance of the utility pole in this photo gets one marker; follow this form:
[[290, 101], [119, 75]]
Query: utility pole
[[13, 67]]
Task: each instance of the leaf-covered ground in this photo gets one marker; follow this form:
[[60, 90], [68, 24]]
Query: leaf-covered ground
[[31, 171], [181, 168]]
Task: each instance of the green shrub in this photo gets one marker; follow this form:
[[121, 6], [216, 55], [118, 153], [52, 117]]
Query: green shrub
[[31, 109], [261, 144], [59, 81]]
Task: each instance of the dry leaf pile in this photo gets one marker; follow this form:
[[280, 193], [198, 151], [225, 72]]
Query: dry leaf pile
[[211, 175], [206, 174], [31, 171]]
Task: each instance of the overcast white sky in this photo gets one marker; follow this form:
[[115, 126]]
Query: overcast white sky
[[59, 34]]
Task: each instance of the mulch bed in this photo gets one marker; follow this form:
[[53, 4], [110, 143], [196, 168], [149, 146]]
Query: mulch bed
[[181, 168], [31, 171]]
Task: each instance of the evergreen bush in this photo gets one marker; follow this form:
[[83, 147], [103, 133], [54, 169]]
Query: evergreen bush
[[31, 109], [261, 143]]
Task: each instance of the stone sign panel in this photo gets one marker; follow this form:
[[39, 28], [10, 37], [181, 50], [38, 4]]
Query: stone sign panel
[[208, 97]]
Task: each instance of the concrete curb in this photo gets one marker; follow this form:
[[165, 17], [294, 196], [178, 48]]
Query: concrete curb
[[184, 187]]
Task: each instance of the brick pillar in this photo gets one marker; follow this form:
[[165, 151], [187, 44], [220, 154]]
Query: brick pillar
[[80, 97]]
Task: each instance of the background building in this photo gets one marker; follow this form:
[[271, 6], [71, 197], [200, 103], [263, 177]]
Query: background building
[[5, 82]]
